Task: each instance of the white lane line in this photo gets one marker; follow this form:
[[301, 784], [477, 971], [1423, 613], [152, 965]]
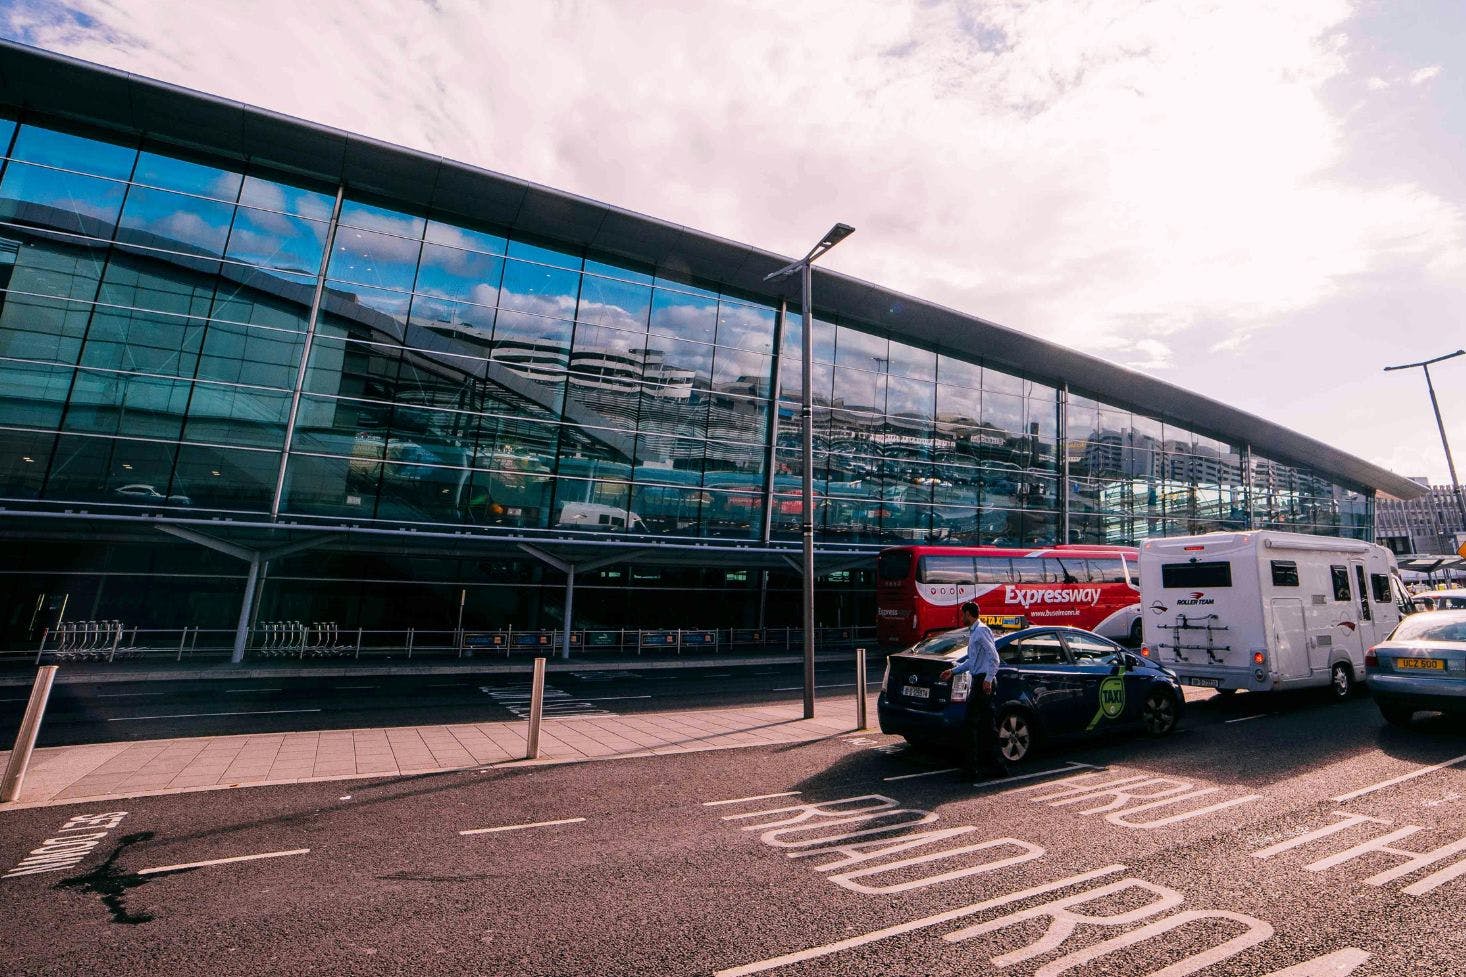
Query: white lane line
[[924, 773], [798, 688], [111, 695], [196, 715], [1070, 768], [241, 691], [1261, 715], [221, 861], [613, 698], [345, 687], [1398, 780], [755, 797], [520, 827]]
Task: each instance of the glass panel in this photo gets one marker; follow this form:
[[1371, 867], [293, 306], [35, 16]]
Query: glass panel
[[462, 238], [957, 372], [170, 173], [861, 351], [33, 394], [120, 403], [124, 339], [464, 276], [370, 258], [908, 361], [260, 357], [287, 199], [121, 472], [741, 372], [174, 222], [37, 144], [260, 237], [220, 478], [69, 202], [543, 256], [239, 416], [23, 459], [682, 316], [451, 327], [265, 298], [619, 305], [42, 329], [357, 214]]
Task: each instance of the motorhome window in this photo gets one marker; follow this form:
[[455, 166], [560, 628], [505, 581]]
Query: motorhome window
[[1363, 596], [994, 569], [1106, 571], [894, 566], [1341, 582], [1029, 569], [1181, 575], [946, 569], [1285, 573], [1065, 571], [1380, 582]]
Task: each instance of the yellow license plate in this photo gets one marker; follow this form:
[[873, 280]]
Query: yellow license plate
[[1434, 664], [1004, 622]]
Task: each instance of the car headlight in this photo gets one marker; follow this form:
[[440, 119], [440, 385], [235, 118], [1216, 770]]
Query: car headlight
[[961, 686]]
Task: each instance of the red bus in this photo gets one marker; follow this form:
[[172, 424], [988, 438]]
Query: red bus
[[919, 589]]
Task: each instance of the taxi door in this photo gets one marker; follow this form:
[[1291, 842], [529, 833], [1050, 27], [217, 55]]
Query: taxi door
[[1112, 692], [1047, 678]]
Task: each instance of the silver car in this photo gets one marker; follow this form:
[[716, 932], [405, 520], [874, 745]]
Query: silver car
[[1421, 665]]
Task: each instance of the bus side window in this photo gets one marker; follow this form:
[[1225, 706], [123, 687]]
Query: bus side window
[[1029, 569], [946, 569], [1057, 570], [1380, 583], [994, 569], [1106, 571], [1340, 577]]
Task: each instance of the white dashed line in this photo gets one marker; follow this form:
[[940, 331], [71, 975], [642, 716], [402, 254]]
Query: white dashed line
[[520, 827], [221, 861], [756, 797], [1261, 715], [798, 688], [1399, 780], [924, 773], [110, 695], [239, 691]]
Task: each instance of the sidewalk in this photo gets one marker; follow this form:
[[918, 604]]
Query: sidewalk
[[71, 774]]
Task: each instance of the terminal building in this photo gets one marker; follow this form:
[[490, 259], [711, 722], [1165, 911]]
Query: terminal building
[[251, 365]]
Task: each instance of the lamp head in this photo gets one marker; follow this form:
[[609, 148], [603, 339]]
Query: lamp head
[[837, 234]]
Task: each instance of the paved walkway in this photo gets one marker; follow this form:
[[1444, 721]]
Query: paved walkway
[[71, 774]]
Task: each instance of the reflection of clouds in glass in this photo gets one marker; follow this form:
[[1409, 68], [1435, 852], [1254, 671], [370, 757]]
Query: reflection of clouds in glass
[[270, 195], [463, 239], [366, 217], [556, 306], [746, 327], [684, 316]]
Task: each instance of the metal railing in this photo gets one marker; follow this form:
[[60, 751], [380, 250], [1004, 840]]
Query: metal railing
[[112, 641]]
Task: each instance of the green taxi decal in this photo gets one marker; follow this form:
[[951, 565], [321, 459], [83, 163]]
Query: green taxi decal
[[1111, 697]]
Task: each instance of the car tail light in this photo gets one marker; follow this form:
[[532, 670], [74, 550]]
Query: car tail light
[[1258, 658], [1371, 660], [961, 686], [1145, 651], [886, 678]]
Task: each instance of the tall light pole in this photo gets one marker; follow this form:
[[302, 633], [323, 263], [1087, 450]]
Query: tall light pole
[[1450, 463], [836, 234]]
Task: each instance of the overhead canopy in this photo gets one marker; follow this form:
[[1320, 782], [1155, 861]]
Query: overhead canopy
[[58, 85]]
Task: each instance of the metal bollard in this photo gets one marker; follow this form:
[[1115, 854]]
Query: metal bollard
[[860, 703], [25, 739], [536, 710]]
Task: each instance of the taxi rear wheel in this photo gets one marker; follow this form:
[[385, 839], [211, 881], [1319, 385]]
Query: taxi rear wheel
[[1159, 713], [1015, 735]]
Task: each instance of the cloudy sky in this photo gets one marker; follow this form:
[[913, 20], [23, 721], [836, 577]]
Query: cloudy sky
[[1262, 202]]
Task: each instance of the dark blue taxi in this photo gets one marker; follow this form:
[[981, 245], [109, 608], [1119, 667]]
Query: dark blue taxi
[[1052, 681]]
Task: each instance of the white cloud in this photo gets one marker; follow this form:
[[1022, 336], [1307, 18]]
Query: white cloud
[[1424, 75], [1114, 175]]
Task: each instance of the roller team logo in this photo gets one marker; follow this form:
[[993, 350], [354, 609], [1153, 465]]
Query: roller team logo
[[1195, 598]]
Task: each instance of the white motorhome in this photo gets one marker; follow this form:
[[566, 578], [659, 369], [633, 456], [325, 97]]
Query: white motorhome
[[1267, 610], [592, 515]]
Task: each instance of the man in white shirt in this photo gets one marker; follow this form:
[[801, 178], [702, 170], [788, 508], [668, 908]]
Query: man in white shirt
[[981, 662]]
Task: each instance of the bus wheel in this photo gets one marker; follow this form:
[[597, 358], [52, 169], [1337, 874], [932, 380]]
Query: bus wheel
[[1341, 681], [1159, 713], [1015, 735]]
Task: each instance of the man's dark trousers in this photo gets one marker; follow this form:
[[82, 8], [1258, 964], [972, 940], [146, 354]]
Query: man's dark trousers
[[983, 755]]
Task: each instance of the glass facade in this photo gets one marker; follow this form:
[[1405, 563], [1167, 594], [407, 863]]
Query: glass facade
[[184, 336]]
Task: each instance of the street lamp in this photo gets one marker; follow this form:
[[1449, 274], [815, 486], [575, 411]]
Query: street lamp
[[836, 234], [1450, 464]]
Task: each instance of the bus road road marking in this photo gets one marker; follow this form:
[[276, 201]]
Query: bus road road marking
[[67, 848], [221, 861], [198, 715], [1343, 798], [520, 827], [756, 797]]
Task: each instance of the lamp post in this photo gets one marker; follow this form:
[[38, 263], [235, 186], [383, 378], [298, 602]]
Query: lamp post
[[1450, 463], [803, 266]]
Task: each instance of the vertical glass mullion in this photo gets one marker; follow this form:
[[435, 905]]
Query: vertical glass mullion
[[1061, 448], [560, 436], [771, 430], [305, 351]]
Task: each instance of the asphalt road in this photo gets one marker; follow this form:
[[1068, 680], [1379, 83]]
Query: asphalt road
[[660, 865], [112, 712]]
